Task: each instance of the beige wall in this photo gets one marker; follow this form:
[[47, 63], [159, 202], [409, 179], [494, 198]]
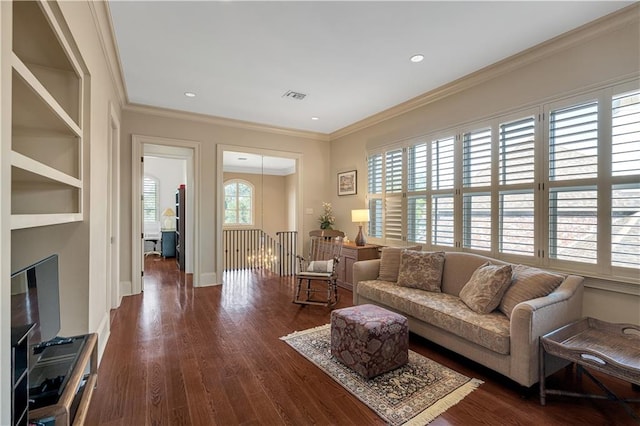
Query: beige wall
[[270, 199], [613, 55], [82, 246], [209, 133]]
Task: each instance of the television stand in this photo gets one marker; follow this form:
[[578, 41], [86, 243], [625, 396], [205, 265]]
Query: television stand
[[63, 380]]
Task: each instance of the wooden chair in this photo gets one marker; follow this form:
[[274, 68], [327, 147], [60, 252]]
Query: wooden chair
[[319, 267]]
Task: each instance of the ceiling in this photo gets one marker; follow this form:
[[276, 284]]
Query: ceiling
[[350, 59]]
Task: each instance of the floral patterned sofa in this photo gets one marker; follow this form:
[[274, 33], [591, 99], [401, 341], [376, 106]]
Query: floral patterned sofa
[[501, 332]]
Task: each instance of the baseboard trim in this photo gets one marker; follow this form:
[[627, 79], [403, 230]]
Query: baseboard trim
[[103, 331], [125, 290], [208, 279]]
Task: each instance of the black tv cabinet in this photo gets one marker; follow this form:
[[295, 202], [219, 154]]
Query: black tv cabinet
[[74, 368], [20, 374]]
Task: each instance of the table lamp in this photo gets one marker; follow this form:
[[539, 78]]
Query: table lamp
[[168, 215], [360, 216]]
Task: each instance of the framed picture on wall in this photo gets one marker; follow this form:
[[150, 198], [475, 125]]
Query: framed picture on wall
[[348, 183]]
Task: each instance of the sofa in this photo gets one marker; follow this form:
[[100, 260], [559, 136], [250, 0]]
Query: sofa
[[504, 339]]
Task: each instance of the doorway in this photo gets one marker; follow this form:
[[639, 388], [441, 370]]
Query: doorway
[[163, 153], [273, 179]]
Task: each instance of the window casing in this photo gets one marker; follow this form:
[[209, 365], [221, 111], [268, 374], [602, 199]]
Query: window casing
[[238, 203], [557, 185]]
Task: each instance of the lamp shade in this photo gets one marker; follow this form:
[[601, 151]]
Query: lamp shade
[[168, 212], [360, 215]]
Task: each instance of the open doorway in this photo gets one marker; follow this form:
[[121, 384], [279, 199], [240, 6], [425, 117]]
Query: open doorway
[[258, 209], [169, 165], [164, 183]]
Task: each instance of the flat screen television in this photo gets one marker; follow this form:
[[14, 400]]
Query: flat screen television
[[35, 299]]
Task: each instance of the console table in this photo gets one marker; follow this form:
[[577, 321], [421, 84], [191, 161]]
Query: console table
[[351, 253], [72, 404], [613, 349]]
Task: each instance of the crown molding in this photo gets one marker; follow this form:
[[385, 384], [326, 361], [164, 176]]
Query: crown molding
[[102, 20], [608, 23], [220, 121]]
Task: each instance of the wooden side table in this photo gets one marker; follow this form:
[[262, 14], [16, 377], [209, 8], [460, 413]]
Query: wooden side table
[[613, 349], [351, 253]]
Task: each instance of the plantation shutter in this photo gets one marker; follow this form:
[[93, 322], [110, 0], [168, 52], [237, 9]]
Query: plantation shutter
[[150, 199], [476, 206], [442, 191], [416, 193], [476, 158], [516, 165], [374, 194], [573, 161], [442, 225], [476, 218], [625, 169], [393, 225]]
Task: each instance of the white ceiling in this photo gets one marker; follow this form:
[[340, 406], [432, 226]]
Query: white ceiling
[[242, 162], [350, 58]]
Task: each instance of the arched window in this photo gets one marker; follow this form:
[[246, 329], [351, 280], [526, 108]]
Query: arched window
[[238, 203], [151, 199]]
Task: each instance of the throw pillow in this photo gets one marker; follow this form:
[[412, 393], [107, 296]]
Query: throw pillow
[[421, 270], [320, 266], [390, 262], [528, 283], [484, 290]]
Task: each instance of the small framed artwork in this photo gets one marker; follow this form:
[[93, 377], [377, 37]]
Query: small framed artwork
[[348, 183]]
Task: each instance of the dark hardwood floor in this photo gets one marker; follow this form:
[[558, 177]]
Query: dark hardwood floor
[[212, 356]]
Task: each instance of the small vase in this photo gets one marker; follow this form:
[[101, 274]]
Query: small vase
[[325, 225]]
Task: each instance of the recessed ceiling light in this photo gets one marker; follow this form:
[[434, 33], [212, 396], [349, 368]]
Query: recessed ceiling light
[[190, 94], [315, 118], [242, 158], [417, 58]]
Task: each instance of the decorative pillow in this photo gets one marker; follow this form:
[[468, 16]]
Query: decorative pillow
[[421, 270], [390, 262], [528, 283], [320, 266], [484, 290]]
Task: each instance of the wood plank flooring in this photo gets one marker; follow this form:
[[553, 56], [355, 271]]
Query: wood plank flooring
[[180, 355]]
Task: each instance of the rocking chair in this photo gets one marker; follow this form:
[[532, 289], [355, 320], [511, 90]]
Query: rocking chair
[[320, 266]]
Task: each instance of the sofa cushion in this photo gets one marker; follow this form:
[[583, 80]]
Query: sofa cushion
[[528, 283], [484, 291], [390, 262], [444, 311], [421, 270]]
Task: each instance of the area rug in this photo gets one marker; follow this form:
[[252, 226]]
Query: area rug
[[414, 394]]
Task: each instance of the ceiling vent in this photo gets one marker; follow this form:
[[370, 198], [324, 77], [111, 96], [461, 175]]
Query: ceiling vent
[[294, 95]]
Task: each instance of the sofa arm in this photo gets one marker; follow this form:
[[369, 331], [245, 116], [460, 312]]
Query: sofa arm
[[364, 270], [537, 317]]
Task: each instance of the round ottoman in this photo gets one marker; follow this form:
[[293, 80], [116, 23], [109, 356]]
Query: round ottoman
[[369, 339]]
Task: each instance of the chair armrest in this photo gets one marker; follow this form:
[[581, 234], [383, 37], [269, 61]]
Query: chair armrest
[[534, 318], [364, 270]]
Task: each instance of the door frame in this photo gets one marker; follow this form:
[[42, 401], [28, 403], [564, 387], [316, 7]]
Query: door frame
[[113, 290], [192, 254], [220, 192]]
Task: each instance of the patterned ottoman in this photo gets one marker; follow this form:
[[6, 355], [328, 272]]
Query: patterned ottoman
[[369, 339]]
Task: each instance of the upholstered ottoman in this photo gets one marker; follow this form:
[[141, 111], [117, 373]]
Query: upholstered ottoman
[[369, 339]]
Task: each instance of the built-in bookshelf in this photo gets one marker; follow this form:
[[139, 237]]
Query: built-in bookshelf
[[47, 97]]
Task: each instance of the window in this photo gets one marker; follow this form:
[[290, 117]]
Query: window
[[238, 203], [625, 171], [516, 175], [150, 197], [442, 192], [557, 185], [573, 172]]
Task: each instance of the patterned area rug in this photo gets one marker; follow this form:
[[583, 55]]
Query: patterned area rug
[[414, 394]]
